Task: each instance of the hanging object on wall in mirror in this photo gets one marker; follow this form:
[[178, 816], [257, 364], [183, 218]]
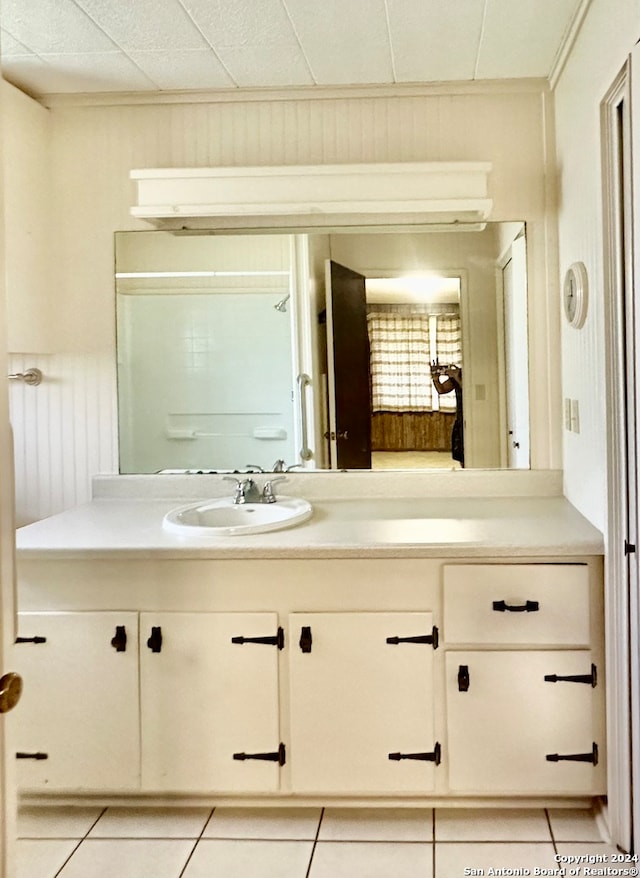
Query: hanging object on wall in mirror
[[575, 294]]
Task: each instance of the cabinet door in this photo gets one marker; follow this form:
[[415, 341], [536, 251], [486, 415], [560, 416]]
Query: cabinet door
[[505, 719], [76, 726], [356, 699], [206, 699]]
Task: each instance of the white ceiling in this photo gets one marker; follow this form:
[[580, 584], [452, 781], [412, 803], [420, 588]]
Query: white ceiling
[[72, 46]]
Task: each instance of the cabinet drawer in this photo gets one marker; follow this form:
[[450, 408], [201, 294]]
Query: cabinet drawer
[[517, 604]]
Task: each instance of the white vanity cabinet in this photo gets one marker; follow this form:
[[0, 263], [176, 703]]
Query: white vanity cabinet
[[525, 705], [209, 703], [361, 702], [77, 726], [313, 679]]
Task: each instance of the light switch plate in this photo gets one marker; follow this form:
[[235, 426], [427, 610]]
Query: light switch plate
[[567, 414], [575, 416]]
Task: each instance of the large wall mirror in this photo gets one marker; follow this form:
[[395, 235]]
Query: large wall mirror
[[349, 349]]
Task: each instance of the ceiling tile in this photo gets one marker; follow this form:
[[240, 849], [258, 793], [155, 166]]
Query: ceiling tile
[[99, 72], [520, 40], [255, 66], [146, 25], [428, 41], [11, 46], [239, 23], [275, 43], [344, 42], [53, 26], [185, 69]]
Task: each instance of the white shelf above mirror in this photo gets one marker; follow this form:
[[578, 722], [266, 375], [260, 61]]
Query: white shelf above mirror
[[450, 193]]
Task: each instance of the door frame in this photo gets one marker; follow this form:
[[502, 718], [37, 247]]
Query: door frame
[[462, 276], [621, 570], [8, 788], [504, 259]]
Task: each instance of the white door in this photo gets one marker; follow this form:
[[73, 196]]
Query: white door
[[515, 726], [77, 728], [209, 702], [361, 706], [514, 284], [620, 118]]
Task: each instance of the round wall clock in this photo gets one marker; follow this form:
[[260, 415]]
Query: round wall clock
[[575, 294]]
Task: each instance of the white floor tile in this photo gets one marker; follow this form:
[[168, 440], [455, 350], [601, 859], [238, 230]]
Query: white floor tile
[[377, 824], [453, 859], [56, 821], [42, 858], [502, 824], [372, 860], [236, 858], [151, 823], [267, 823], [128, 858], [574, 825]]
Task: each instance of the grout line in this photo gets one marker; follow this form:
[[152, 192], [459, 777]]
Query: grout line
[[315, 842], [196, 843], [553, 838], [433, 842], [95, 822], [84, 837], [68, 858]]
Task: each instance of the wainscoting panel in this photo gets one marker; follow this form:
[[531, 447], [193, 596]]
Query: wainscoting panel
[[63, 430]]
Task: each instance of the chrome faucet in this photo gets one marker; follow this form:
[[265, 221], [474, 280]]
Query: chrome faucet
[[246, 491], [268, 494], [281, 467]]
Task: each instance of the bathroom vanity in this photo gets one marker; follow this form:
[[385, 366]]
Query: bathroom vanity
[[387, 650]]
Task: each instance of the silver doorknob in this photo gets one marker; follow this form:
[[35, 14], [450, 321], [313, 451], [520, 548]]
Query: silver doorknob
[[10, 691]]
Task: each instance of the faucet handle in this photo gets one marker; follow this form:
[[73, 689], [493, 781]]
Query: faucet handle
[[268, 494], [239, 487]]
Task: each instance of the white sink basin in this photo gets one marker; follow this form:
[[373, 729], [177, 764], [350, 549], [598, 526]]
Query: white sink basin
[[223, 517]]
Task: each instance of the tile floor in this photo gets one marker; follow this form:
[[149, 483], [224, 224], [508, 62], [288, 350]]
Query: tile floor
[[95, 842]]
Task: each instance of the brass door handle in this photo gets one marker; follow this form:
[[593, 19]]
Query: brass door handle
[[10, 691]]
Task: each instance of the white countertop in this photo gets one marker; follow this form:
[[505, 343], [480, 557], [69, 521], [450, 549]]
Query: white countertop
[[114, 527]]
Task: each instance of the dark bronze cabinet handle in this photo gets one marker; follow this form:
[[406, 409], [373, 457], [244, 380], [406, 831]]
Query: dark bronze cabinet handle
[[504, 607], [155, 641], [119, 640]]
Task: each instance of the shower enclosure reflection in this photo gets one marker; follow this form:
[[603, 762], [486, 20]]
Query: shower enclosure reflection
[[216, 330]]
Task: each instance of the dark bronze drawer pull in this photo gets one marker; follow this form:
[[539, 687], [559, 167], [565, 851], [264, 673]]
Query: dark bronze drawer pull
[[528, 607]]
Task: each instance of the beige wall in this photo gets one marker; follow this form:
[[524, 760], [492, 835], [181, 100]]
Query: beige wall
[[92, 149], [604, 43], [31, 295]]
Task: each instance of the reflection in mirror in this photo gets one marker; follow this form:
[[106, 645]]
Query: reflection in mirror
[[217, 332]]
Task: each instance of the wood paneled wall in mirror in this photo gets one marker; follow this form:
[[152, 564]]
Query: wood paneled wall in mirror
[[401, 349]]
